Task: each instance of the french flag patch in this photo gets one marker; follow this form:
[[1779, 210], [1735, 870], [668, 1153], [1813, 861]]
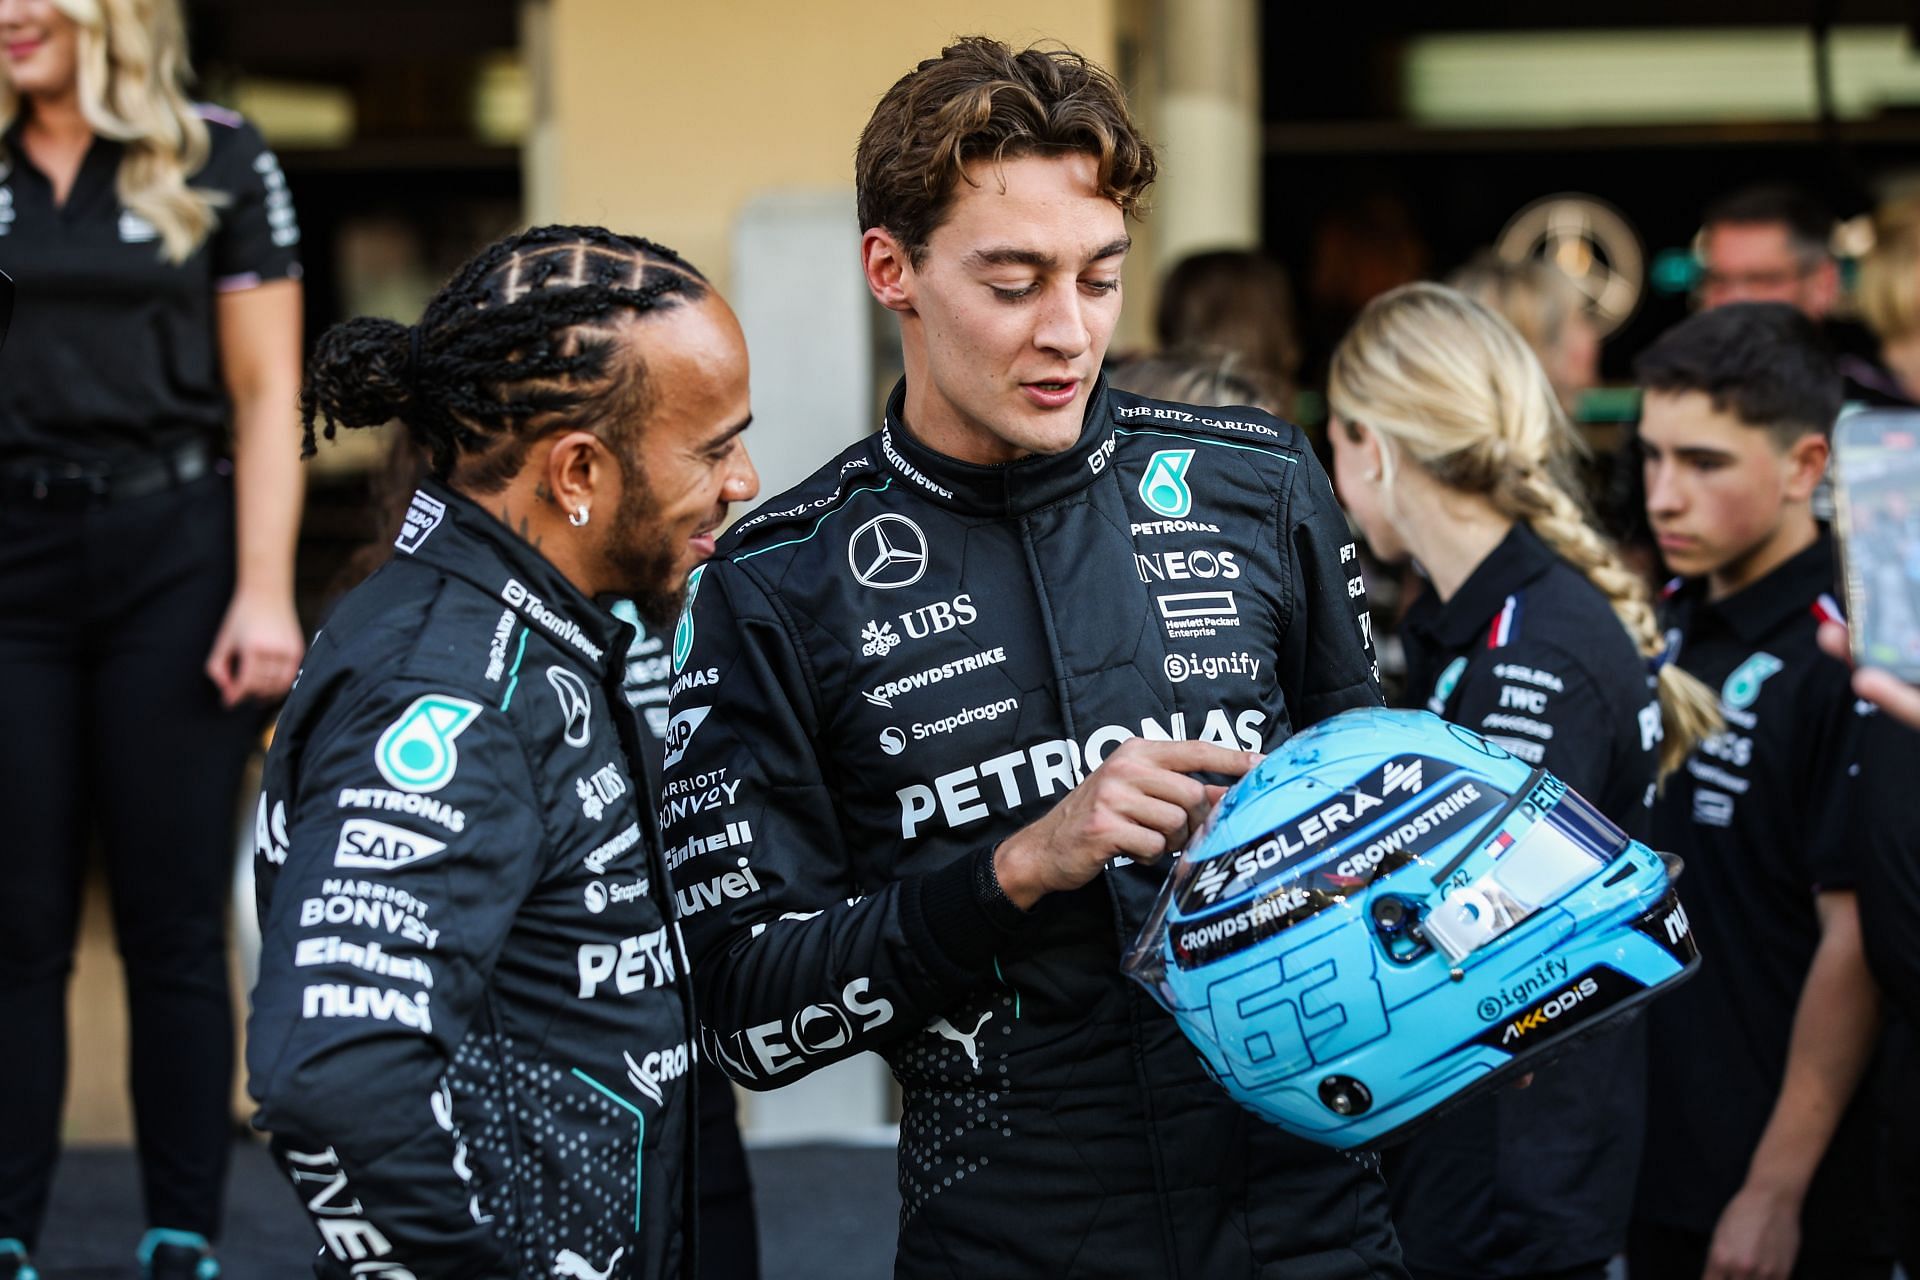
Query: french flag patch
[[1827, 609], [1506, 624]]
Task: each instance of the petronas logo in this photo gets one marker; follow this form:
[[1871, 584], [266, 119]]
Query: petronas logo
[[1443, 687], [1743, 686], [1164, 486], [416, 753], [683, 633]]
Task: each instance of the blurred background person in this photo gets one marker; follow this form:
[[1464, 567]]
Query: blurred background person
[[1233, 306], [1450, 449], [1769, 243], [1888, 294], [1190, 375], [1547, 310], [146, 595], [1779, 1175]]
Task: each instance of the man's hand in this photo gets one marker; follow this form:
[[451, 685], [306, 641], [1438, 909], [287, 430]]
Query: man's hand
[[258, 649], [1882, 688], [1757, 1238], [1139, 802]]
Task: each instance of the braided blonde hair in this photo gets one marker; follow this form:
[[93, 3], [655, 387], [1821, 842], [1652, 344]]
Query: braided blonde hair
[[1442, 379], [133, 71]]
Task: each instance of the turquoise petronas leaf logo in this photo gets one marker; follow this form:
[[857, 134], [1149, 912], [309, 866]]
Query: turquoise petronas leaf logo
[[1443, 687], [683, 631], [1743, 686], [416, 753], [1164, 486]]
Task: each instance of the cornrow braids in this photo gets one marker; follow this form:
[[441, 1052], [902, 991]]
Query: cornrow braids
[[521, 342]]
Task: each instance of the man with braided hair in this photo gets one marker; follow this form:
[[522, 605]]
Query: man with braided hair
[[472, 1039]]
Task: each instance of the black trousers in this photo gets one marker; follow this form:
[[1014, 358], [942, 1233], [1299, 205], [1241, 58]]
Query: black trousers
[[109, 729]]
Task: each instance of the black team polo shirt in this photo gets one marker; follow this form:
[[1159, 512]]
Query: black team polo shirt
[[1758, 815]]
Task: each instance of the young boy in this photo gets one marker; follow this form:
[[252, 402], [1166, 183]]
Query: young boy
[[1758, 1161]]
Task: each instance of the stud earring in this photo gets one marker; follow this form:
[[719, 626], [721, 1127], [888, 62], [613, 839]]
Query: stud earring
[[578, 517]]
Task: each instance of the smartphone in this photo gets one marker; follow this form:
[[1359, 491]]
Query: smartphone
[[1876, 468]]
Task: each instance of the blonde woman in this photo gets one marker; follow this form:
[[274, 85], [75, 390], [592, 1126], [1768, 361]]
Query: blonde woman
[[149, 499], [1448, 448], [1546, 309]]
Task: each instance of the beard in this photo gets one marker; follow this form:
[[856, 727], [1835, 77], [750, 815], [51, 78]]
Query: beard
[[642, 554]]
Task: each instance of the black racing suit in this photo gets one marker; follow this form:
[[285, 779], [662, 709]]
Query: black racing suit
[[472, 1037], [888, 671]]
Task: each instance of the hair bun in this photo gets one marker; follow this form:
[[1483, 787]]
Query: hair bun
[[360, 374]]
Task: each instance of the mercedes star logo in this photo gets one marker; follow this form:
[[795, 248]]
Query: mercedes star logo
[[886, 552]]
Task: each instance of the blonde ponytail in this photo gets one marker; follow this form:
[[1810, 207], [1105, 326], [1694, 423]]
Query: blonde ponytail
[[1443, 379]]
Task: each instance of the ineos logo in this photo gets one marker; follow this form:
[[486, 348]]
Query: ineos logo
[[886, 552]]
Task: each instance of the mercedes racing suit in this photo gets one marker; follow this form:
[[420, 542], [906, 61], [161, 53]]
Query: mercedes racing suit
[[472, 1037], [889, 670]]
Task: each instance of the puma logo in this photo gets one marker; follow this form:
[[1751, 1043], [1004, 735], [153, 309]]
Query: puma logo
[[568, 1265], [967, 1040]]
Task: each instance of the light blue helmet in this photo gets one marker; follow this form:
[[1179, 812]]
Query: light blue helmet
[[1392, 914]]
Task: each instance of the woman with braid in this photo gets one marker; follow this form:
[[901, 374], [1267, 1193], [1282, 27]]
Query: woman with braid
[[1450, 448], [472, 1040]]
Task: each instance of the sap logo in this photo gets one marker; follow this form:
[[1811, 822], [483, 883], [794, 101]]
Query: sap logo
[[1563, 1003], [680, 731], [270, 832], [1056, 765], [338, 1000], [380, 846], [766, 1049], [606, 785], [1531, 701], [634, 964], [1097, 460], [728, 885], [694, 680], [1676, 923], [657, 1069], [1183, 566]]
